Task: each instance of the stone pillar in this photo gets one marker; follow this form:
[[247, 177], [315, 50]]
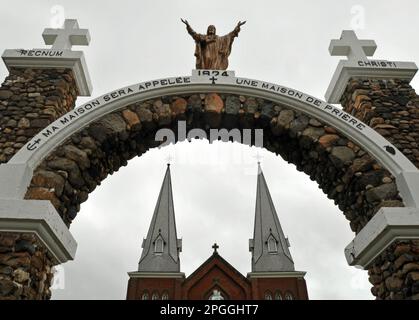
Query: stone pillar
[[378, 93], [30, 100], [42, 85], [391, 107], [25, 267]]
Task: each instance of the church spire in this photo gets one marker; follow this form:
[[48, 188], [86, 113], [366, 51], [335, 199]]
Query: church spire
[[161, 247], [269, 246]]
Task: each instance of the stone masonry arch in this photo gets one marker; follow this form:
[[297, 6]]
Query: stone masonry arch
[[351, 163], [345, 172]]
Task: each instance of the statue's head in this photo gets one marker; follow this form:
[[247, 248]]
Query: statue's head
[[211, 30]]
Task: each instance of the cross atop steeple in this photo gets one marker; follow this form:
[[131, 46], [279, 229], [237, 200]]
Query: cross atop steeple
[[169, 159], [349, 45], [258, 158], [70, 35], [215, 247]]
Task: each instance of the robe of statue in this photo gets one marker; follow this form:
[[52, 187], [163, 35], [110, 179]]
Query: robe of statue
[[212, 51]]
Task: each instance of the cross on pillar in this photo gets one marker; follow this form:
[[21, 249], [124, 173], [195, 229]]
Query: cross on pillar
[[215, 247], [71, 35], [349, 45]]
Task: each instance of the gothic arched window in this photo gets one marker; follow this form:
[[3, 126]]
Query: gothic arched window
[[165, 296], [289, 296], [144, 296], [158, 245], [278, 295], [268, 295], [155, 296], [272, 246]]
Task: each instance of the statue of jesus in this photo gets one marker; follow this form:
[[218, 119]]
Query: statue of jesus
[[212, 51]]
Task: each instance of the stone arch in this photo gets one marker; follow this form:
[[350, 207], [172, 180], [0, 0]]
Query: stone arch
[[357, 183], [351, 163]]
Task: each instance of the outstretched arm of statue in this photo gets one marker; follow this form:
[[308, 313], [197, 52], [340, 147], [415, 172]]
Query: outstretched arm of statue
[[236, 30], [190, 30]]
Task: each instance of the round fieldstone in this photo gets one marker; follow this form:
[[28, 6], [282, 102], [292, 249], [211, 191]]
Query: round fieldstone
[[162, 111], [49, 179], [285, 118], [195, 103], [144, 114], [342, 155], [11, 123], [5, 94], [383, 192], [250, 105], [7, 287], [130, 117], [179, 106], [315, 123], [328, 140], [24, 123], [113, 122], [313, 133], [213, 103], [79, 156], [387, 180], [233, 105], [20, 275], [23, 245]]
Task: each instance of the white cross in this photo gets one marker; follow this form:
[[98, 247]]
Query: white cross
[[71, 35], [349, 45], [258, 157]]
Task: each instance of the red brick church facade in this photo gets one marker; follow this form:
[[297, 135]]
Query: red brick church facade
[[273, 276], [216, 274]]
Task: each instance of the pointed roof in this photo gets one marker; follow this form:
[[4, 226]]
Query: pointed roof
[[269, 246], [218, 273], [161, 247]]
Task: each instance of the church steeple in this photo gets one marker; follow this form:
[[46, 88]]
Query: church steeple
[[269, 246], [161, 247]]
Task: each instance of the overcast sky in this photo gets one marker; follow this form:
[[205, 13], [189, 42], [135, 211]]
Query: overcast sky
[[214, 186]]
